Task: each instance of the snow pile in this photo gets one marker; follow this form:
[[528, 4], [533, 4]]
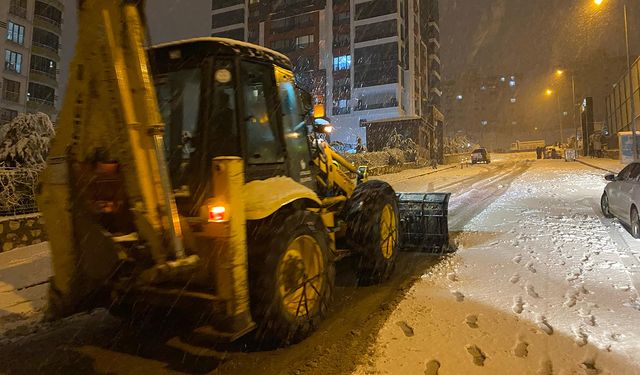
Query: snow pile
[[537, 287], [24, 145]]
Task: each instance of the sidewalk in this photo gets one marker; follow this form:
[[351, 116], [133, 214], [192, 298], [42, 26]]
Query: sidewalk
[[24, 275]]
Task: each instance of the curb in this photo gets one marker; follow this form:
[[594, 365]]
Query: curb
[[595, 166], [432, 172]]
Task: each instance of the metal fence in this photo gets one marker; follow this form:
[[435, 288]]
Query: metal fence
[[18, 191]]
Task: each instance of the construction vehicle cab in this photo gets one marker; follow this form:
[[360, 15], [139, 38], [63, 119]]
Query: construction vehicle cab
[[184, 176]]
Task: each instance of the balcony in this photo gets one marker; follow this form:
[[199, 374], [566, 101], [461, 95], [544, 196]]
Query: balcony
[[43, 77], [386, 104], [46, 51], [47, 23], [41, 105]]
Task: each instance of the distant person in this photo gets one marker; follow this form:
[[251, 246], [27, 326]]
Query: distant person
[[538, 152], [359, 146]]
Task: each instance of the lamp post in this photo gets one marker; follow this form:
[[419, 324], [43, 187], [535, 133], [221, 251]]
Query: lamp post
[[574, 103], [633, 109], [550, 92]]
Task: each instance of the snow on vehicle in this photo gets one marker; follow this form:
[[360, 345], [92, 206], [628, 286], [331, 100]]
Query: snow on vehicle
[[480, 155]]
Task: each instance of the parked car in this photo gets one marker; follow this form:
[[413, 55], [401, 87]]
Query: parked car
[[553, 152], [480, 155], [621, 197]]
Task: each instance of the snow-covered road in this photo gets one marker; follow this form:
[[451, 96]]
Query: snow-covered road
[[542, 284]]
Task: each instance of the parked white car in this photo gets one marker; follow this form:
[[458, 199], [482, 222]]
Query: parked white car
[[621, 197]]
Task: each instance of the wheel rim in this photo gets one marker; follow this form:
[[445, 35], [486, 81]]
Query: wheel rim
[[635, 224], [388, 231], [605, 204], [300, 276]]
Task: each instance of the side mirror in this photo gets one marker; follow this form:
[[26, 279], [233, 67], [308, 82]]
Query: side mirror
[[610, 177]]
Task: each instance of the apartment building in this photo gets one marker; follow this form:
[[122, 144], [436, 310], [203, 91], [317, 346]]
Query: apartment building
[[364, 59], [31, 46]]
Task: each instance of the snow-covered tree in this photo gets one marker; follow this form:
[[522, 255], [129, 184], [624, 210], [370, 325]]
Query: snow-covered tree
[[24, 145], [24, 142]]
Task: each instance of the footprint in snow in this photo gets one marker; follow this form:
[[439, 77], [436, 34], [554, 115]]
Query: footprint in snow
[[478, 356], [530, 267], [571, 298], [531, 291], [515, 279], [406, 328], [518, 305], [546, 368], [589, 367], [459, 296], [544, 325], [472, 321], [589, 320], [580, 337], [452, 276], [432, 367], [521, 349], [517, 259]]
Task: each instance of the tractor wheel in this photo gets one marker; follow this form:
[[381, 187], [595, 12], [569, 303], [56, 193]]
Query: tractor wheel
[[371, 215], [291, 276]]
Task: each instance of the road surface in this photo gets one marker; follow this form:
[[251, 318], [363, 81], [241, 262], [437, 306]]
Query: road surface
[[368, 326]]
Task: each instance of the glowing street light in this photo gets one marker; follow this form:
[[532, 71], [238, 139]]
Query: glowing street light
[[549, 92], [559, 72], [597, 2]]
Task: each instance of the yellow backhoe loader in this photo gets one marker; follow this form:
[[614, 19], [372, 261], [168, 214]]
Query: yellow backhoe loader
[[184, 176]]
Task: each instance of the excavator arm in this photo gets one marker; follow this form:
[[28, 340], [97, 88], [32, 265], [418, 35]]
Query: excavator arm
[[109, 129]]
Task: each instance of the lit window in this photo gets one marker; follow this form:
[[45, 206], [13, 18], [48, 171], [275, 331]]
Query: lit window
[[13, 61], [513, 100], [15, 33], [512, 83], [484, 122], [342, 62], [459, 97], [502, 79]]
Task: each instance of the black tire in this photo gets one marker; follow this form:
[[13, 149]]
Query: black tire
[[272, 267], [635, 223], [604, 206], [363, 214]]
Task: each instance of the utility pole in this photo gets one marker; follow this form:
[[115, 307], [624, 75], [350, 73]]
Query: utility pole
[[633, 110], [574, 105]]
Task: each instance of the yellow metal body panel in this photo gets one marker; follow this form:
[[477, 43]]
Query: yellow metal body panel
[[231, 261], [265, 197], [110, 105], [335, 176]]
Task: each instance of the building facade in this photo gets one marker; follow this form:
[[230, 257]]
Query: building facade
[[31, 47], [365, 60], [486, 109]]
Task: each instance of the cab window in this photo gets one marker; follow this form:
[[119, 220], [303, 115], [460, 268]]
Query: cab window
[[259, 92], [294, 127]]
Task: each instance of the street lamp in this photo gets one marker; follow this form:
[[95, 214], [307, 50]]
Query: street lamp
[[633, 110]]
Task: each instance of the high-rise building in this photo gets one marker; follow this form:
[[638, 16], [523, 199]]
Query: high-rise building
[[31, 48], [364, 59]]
